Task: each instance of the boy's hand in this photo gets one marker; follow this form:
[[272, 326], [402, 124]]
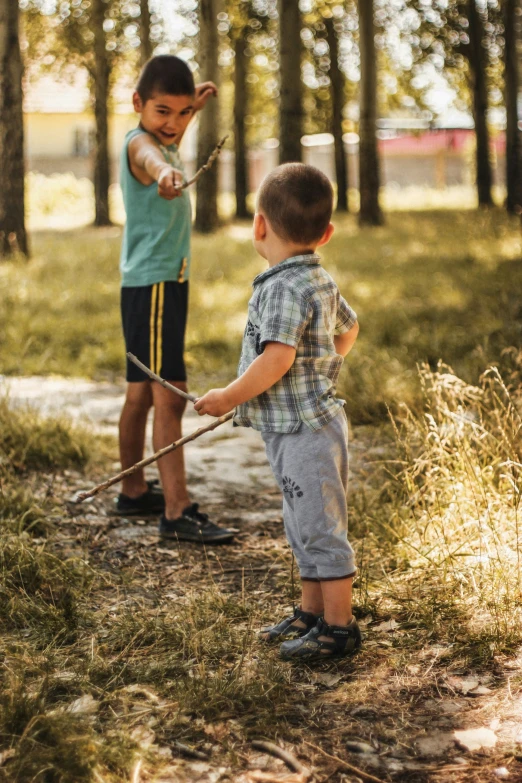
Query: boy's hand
[[214, 403], [170, 181], [203, 92]]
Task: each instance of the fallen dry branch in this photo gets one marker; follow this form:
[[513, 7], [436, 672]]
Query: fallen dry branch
[[206, 165], [345, 764], [159, 379], [290, 760], [81, 496]]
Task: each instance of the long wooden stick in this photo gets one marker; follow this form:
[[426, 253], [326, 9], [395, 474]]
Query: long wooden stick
[[159, 379], [206, 165], [81, 496]]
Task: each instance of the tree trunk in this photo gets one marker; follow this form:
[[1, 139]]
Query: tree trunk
[[291, 101], [240, 102], [207, 218], [337, 92], [477, 62], [145, 42], [13, 236], [513, 140], [369, 179], [100, 89]]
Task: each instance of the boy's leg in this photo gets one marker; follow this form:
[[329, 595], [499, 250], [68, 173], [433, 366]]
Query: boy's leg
[[133, 421], [168, 412]]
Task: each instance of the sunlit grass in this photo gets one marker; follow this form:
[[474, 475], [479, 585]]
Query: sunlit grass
[[428, 285]]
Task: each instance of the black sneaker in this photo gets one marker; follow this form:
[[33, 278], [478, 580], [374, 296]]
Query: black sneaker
[[151, 503], [192, 525]]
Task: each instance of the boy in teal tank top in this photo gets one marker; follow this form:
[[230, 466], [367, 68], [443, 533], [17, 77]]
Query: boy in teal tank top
[[155, 264]]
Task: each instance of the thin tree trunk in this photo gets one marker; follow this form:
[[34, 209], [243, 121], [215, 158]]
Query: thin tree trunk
[[337, 92], [13, 236], [513, 140], [477, 61], [240, 102], [207, 218], [369, 178], [100, 88], [291, 101], [145, 42]]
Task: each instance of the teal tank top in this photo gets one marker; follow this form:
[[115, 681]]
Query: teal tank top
[[156, 237]]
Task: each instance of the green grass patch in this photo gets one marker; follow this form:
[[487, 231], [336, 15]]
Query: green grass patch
[[427, 286]]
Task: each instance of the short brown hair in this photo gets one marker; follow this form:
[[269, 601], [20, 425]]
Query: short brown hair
[[297, 200], [165, 74]]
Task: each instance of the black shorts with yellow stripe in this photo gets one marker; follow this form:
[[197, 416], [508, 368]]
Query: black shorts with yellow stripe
[[154, 319]]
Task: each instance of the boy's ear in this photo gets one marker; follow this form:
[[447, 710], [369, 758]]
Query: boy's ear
[[137, 103], [259, 227], [327, 235]]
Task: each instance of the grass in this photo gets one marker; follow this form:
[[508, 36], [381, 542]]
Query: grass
[[101, 666], [427, 286], [435, 517]]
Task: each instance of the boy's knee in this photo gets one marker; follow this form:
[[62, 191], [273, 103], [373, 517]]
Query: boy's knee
[[138, 396], [167, 400]]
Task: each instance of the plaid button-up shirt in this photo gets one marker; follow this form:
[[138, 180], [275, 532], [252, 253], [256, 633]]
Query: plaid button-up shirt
[[296, 303]]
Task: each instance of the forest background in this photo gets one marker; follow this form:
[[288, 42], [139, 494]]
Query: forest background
[[106, 677]]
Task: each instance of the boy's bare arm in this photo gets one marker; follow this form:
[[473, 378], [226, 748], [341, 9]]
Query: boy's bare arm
[[204, 91], [148, 165], [344, 342], [267, 369]]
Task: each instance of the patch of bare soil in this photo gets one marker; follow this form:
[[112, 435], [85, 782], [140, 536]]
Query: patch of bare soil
[[397, 711]]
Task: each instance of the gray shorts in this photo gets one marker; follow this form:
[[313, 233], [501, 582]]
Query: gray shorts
[[311, 468]]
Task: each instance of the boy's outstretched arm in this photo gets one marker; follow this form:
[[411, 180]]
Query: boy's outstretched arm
[[148, 165], [267, 369], [204, 91], [344, 342]]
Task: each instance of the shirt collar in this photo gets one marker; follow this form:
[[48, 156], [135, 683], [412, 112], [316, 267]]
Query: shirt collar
[[307, 259]]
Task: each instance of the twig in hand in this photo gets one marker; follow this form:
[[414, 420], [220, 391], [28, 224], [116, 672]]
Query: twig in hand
[[81, 496], [345, 764], [161, 381], [206, 165], [289, 759]]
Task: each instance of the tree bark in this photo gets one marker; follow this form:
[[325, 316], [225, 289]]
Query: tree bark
[[337, 92], [13, 236], [145, 42], [291, 101], [477, 61], [513, 135], [369, 178], [240, 102], [100, 94], [207, 218]]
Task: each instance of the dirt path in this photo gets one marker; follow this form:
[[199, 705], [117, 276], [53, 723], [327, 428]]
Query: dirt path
[[392, 713]]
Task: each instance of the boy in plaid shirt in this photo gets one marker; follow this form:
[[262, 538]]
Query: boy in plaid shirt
[[298, 332]]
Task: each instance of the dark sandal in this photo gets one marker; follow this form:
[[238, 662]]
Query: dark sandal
[[346, 640], [286, 630]]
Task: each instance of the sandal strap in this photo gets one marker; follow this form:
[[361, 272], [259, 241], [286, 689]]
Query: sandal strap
[[345, 639], [285, 625]]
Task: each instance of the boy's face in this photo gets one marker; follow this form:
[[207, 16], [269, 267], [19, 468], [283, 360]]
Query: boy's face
[[165, 116]]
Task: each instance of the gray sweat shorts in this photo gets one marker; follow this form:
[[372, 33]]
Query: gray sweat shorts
[[311, 468]]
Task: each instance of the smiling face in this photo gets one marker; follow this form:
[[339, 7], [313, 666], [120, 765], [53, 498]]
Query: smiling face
[[165, 116]]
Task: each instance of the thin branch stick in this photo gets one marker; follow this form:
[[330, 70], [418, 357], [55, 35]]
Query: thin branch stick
[[206, 165], [345, 764], [289, 759], [165, 384], [81, 496]]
